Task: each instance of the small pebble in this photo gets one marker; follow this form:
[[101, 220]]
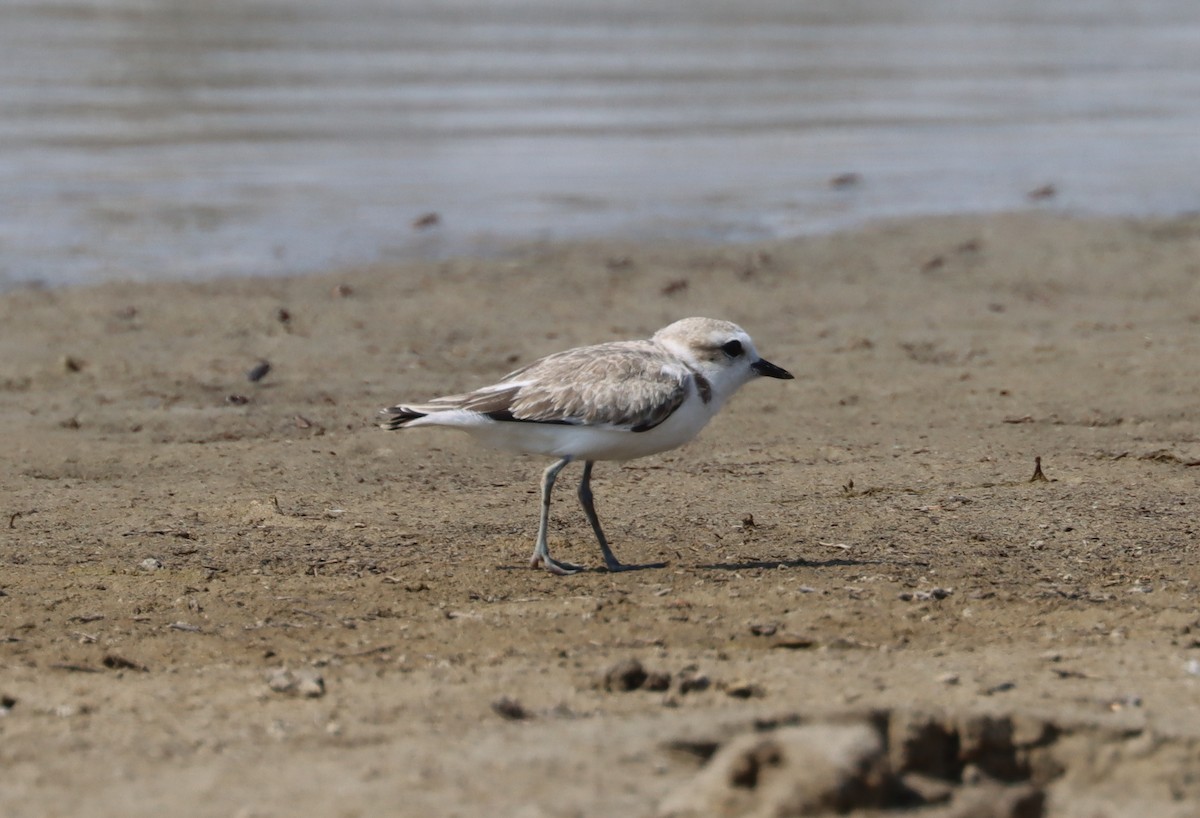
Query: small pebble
[[510, 709], [657, 680], [115, 662], [793, 641], [258, 371], [744, 690], [625, 675], [925, 596], [689, 683], [935, 263], [1124, 702], [304, 683], [150, 564]]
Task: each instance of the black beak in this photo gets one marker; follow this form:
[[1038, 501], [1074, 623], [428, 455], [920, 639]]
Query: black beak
[[770, 370]]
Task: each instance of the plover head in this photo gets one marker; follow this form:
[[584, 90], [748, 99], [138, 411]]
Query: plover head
[[721, 351]]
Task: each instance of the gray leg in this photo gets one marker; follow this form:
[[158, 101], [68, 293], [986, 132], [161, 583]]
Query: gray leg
[[541, 551], [589, 508]]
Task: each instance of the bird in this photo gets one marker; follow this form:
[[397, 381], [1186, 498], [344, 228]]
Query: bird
[[612, 401]]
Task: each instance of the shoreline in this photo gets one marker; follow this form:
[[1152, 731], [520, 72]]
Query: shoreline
[[492, 249]]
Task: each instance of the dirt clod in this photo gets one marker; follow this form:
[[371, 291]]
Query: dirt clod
[[624, 676]]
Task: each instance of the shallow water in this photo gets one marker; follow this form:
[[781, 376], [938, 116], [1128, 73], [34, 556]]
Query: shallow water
[[175, 138]]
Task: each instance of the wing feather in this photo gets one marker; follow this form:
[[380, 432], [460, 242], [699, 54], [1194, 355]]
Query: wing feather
[[633, 385]]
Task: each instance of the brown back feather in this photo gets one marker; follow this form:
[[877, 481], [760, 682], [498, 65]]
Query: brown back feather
[[624, 383]]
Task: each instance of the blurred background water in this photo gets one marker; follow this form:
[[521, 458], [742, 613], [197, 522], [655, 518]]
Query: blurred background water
[[154, 139]]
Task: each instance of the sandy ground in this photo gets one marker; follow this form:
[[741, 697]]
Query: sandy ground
[[865, 538]]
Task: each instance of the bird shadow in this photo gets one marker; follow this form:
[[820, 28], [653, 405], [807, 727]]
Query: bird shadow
[[599, 569], [747, 565], [645, 566]]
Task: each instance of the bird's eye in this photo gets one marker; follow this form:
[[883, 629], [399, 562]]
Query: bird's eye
[[732, 348]]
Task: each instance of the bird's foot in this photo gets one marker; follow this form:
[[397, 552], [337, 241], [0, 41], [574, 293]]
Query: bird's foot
[[561, 569]]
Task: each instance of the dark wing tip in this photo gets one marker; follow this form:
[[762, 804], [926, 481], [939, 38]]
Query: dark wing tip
[[506, 416], [395, 417]]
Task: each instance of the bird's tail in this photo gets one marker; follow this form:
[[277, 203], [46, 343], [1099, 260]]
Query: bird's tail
[[397, 417]]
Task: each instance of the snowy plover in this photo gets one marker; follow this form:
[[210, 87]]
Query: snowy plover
[[613, 401]]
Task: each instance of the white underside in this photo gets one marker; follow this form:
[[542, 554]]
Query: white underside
[[578, 442]]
